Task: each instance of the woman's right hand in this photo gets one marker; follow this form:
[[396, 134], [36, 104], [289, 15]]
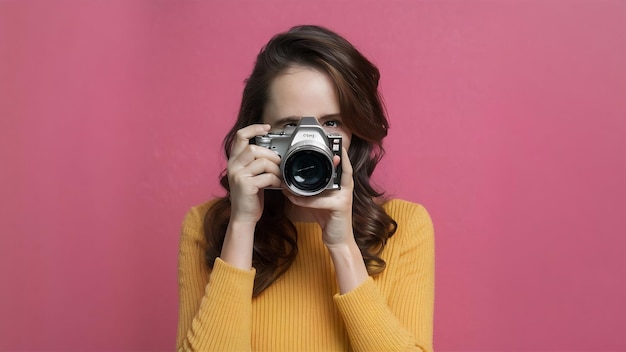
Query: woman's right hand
[[250, 169]]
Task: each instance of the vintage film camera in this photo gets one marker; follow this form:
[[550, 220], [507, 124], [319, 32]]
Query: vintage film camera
[[306, 153]]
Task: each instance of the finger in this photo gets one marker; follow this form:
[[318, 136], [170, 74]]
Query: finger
[[266, 180], [324, 200], [243, 136], [251, 153], [246, 184], [261, 166], [346, 170]]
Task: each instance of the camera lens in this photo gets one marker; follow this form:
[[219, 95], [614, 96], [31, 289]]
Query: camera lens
[[308, 170]]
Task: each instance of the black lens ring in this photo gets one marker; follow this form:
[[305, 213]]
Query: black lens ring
[[322, 169]]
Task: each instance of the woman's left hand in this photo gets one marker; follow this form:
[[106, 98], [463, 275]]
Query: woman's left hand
[[332, 209]]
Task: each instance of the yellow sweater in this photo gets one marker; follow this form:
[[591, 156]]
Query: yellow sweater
[[302, 310]]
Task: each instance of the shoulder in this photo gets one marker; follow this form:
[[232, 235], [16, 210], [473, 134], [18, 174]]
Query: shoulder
[[402, 210], [198, 212], [414, 221], [193, 223]]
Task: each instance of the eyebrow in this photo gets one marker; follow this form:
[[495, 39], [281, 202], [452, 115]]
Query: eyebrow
[[296, 119]]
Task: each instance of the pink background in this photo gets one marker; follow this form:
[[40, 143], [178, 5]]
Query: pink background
[[508, 124]]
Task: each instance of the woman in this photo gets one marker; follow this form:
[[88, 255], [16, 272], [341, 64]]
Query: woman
[[271, 270]]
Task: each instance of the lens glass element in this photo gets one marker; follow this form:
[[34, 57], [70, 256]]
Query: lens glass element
[[308, 170]]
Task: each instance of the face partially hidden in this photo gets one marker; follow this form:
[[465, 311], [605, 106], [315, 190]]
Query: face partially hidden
[[303, 91]]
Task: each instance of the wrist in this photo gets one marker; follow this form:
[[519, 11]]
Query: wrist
[[349, 266], [343, 246], [238, 244], [243, 226]]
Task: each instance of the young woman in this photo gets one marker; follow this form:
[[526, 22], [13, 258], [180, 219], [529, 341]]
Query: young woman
[[269, 270]]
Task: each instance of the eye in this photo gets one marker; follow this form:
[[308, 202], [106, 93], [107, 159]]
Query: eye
[[289, 124], [331, 123]]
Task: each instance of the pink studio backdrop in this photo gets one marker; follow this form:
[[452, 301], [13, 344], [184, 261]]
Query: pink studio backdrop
[[508, 124]]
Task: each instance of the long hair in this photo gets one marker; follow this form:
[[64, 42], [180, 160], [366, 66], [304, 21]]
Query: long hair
[[363, 113]]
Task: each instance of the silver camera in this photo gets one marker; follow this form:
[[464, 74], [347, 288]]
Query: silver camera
[[306, 153]]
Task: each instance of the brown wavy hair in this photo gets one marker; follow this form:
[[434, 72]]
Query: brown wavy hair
[[363, 113]]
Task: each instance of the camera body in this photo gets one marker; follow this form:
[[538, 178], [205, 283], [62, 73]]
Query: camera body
[[306, 153]]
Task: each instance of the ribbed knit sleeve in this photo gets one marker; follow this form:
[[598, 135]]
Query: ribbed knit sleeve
[[214, 308], [401, 320]]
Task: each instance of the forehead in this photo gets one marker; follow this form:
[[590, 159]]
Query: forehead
[[301, 91]]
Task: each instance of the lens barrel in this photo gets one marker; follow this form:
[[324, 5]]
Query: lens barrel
[[308, 171]]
